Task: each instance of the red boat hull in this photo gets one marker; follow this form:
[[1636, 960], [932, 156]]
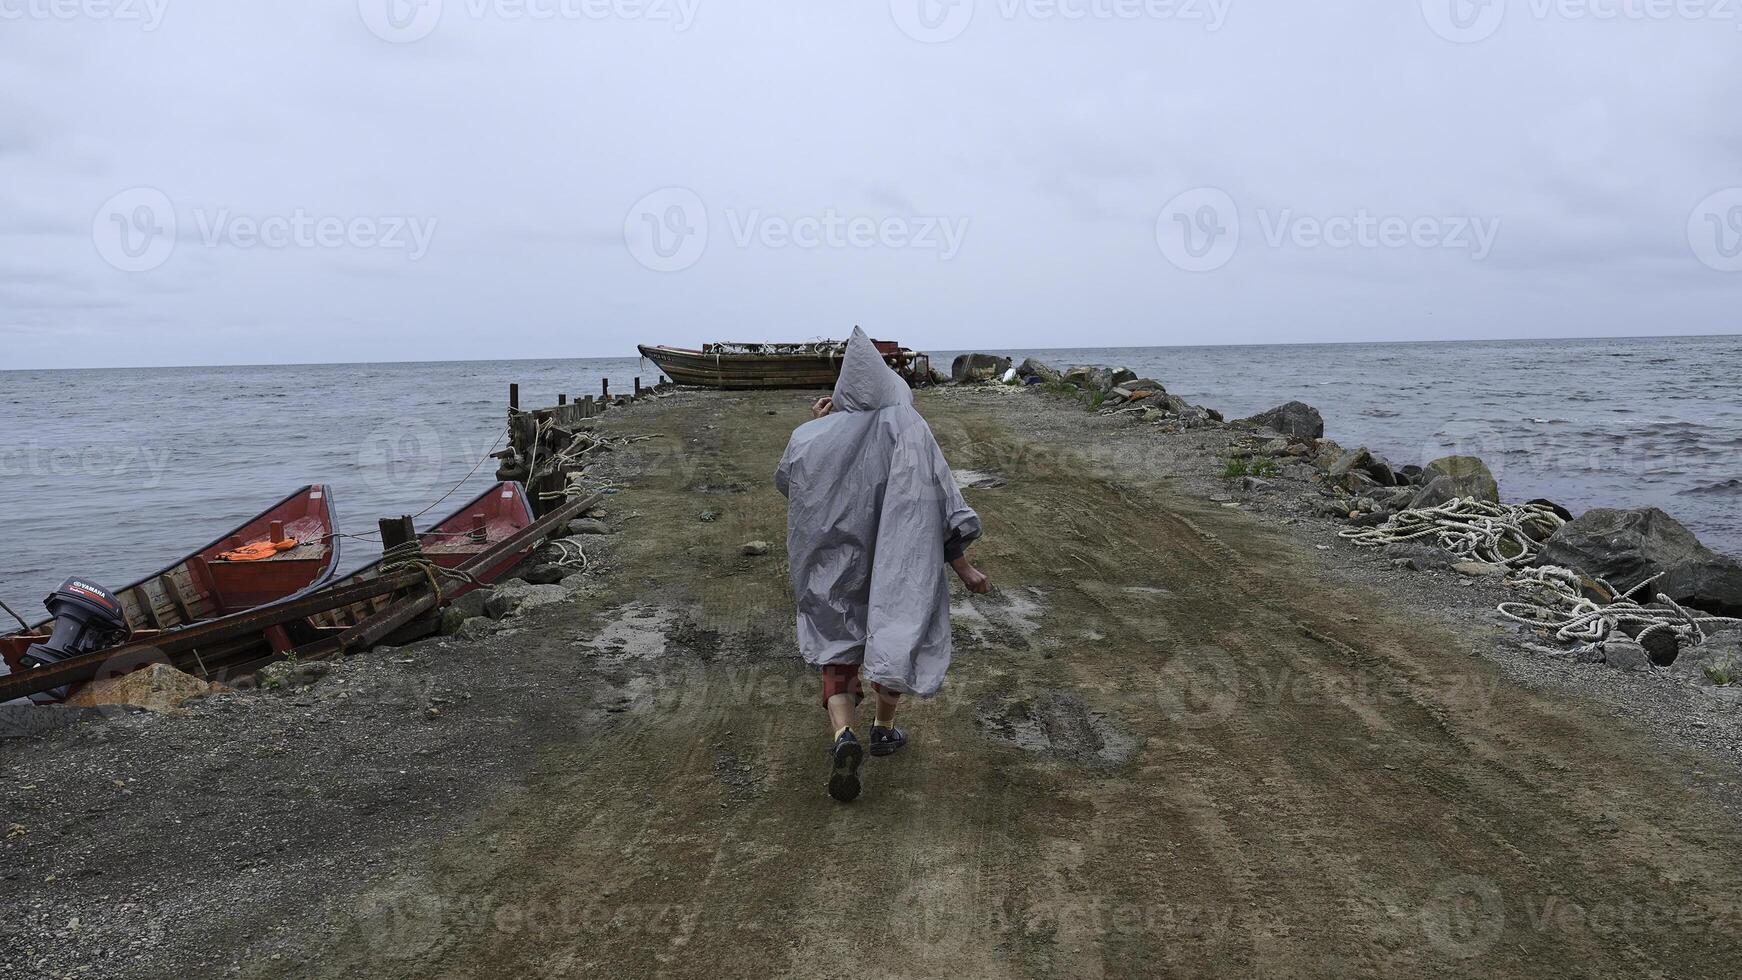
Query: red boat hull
[[494, 515], [204, 586]]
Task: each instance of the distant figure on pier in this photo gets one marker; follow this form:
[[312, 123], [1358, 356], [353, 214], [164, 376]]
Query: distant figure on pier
[[873, 517]]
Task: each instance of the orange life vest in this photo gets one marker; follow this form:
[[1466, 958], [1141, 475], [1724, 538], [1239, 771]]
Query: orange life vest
[[258, 550]]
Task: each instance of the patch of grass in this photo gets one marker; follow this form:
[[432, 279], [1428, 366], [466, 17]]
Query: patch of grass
[[1722, 672], [1072, 391], [1254, 466]]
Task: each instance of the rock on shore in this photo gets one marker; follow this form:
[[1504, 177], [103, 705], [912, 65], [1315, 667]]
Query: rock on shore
[[1629, 546], [1031, 368], [1297, 419], [968, 368], [1451, 477]]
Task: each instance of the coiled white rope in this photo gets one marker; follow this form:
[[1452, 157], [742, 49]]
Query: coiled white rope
[[1576, 618], [575, 559], [1472, 529]]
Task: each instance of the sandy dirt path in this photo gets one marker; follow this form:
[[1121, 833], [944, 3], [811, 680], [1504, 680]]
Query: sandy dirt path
[[1169, 747]]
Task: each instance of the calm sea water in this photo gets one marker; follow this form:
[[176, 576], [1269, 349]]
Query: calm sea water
[[113, 473]]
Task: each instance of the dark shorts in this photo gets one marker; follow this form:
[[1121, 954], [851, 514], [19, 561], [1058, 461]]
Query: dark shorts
[[844, 679]]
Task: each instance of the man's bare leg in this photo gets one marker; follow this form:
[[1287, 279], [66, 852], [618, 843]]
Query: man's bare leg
[[843, 713], [886, 739], [841, 700], [887, 702]]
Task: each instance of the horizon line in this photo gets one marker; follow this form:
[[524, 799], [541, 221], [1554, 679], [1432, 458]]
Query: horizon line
[[637, 356]]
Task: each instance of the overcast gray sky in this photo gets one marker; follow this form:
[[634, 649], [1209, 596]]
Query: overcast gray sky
[[223, 181]]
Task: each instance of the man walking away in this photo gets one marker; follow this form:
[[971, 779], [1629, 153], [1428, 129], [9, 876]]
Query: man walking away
[[873, 518]]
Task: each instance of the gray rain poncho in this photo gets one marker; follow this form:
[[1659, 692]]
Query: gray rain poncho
[[873, 514]]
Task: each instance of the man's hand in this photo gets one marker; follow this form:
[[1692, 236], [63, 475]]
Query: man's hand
[[823, 406], [972, 577]]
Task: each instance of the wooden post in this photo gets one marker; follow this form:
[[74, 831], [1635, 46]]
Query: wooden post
[[605, 389], [547, 491], [514, 398], [587, 411], [562, 399], [638, 387], [396, 531]]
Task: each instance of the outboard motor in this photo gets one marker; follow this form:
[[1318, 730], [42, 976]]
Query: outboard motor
[[87, 617]]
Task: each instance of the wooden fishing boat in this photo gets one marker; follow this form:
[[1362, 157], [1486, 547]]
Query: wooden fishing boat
[[493, 517], [231, 647], [286, 549], [808, 365]]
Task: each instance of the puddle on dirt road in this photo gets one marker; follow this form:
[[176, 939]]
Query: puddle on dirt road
[[643, 631], [978, 480], [1007, 618], [637, 632], [1058, 724]]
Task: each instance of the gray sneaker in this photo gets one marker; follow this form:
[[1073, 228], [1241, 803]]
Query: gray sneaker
[[846, 754], [887, 741]]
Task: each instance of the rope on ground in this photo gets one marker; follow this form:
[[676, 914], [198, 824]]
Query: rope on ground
[[1565, 606], [1475, 530], [575, 559]]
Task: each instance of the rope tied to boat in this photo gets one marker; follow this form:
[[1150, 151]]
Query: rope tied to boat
[[1472, 529], [409, 555], [1564, 604]]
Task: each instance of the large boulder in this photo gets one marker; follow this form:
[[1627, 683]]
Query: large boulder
[[548, 574], [1451, 477], [1296, 419], [1095, 377], [967, 368], [1031, 368], [1361, 460], [1629, 546]]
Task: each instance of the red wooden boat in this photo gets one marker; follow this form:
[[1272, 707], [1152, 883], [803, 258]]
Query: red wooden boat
[[807, 365], [491, 518], [289, 548]]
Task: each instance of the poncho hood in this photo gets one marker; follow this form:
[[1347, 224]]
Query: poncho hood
[[873, 515], [867, 382]]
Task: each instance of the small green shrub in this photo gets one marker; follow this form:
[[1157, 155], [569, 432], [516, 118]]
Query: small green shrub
[[1254, 466], [1722, 672]]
